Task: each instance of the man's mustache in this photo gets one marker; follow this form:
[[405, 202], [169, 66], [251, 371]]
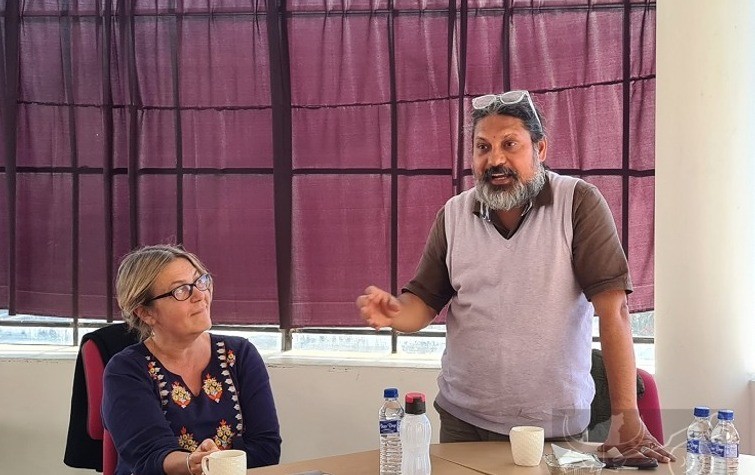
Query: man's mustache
[[499, 170]]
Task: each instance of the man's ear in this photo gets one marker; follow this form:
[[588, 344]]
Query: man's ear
[[542, 149], [144, 314]]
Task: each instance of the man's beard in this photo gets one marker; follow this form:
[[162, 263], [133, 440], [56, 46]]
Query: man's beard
[[518, 194]]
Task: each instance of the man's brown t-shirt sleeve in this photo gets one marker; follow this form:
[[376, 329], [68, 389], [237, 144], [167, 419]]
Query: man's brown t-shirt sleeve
[[431, 282], [599, 260]]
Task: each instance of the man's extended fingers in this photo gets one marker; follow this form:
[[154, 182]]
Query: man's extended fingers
[[364, 312], [371, 289], [362, 301], [653, 453], [655, 449], [378, 297], [385, 300], [634, 454], [658, 452], [393, 304], [662, 450], [649, 450]]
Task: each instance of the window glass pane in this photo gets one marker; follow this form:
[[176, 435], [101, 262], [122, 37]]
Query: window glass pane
[[644, 354], [368, 343], [643, 325], [421, 345], [264, 341], [34, 335]]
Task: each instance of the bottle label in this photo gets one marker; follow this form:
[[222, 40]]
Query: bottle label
[[389, 427], [693, 446], [725, 450], [697, 447]]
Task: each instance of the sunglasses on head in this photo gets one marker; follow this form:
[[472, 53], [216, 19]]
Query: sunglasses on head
[[507, 98]]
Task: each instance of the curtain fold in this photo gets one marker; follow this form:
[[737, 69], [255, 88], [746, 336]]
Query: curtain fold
[[301, 149]]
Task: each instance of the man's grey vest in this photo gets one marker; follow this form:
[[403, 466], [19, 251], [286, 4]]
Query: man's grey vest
[[519, 329]]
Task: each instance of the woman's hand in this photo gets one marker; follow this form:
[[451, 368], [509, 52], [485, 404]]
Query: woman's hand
[[194, 460]]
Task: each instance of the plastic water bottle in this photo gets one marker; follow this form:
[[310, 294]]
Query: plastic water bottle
[[415, 437], [390, 416], [698, 443], [724, 445]]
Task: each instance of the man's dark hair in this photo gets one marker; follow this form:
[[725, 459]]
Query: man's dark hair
[[520, 110]]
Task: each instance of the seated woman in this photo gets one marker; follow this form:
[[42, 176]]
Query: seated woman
[[182, 392]]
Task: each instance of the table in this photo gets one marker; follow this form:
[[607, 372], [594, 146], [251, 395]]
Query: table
[[464, 458], [360, 463]]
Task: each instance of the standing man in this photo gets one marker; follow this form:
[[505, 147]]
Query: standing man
[[525, 259]]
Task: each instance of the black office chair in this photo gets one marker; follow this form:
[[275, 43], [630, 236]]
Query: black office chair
[[88, 444]]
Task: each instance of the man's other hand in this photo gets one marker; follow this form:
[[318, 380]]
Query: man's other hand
[[378, 307]]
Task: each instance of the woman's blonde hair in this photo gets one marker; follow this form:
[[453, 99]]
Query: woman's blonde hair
[[137, 273]]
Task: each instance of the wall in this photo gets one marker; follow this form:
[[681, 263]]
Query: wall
[[705, 214], [323, 409]]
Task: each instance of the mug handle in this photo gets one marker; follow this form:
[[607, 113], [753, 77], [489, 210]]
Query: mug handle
[[205, 464]]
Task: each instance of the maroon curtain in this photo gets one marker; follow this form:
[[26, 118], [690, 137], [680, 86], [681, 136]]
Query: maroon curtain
[[301, 148]]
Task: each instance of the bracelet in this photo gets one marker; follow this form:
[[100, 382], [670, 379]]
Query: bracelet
[[188, 467]]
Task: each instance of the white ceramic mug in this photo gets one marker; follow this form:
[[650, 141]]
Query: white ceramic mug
[[225, 462], [527, 445]]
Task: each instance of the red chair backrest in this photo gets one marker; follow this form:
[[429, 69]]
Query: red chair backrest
[[649, 406], [109, 455], [94, 368], [93, 371]]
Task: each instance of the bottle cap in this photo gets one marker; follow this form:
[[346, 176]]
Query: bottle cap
[[415, 403], [702, 411], [390, 392], [726, 415]]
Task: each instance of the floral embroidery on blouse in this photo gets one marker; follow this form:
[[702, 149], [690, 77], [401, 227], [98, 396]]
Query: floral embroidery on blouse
[[155, 373], [224, 436], [214, 385], [186, 440], [225, 357], [212, 388], [180, 395], [154, 370]]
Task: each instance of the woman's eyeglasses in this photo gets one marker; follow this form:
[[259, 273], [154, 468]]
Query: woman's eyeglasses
[[183, 292], [510, 97]]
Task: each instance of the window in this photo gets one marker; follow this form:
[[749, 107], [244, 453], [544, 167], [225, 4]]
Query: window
[[301, 164], [322, 342]]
